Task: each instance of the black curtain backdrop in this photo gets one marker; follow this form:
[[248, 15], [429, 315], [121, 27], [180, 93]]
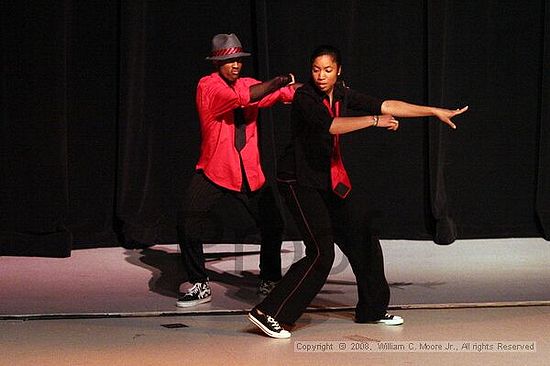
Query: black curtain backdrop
[[99, 132]]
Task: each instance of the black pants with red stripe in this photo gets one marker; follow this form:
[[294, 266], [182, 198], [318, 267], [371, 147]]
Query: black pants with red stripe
[[324, 219]]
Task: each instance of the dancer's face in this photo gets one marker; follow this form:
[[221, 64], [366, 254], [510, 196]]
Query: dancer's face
[[230, 69], [324, 72]]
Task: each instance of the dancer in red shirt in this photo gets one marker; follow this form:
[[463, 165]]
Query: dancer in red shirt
[[229, 164]]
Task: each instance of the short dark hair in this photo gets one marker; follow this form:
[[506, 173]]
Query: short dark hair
[[327, 50]]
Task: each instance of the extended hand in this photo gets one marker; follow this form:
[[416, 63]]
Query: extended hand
[[445, 115]]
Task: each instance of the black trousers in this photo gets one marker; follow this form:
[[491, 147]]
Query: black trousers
[[324, 219], [196, 223]]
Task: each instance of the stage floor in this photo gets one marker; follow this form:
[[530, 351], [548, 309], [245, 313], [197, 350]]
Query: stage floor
[[420, 273], [111, 306]]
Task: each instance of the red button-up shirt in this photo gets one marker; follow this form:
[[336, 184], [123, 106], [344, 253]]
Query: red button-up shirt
[[219, 160]]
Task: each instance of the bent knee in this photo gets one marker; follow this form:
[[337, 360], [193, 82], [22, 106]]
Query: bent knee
[[324, 261]]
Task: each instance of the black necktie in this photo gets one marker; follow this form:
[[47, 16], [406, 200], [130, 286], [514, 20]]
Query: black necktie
[[240, 129]]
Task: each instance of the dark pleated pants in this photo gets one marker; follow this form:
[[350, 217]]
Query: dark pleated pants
[[197, 223]]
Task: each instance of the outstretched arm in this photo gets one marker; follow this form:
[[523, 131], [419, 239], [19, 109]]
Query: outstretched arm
[[258, 91], [341, 125], [403, 109]]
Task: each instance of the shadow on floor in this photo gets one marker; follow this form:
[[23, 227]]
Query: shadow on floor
[[168, 273]]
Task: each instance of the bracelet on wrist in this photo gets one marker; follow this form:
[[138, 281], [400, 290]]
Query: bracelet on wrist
[[292, 80], [375, 121]]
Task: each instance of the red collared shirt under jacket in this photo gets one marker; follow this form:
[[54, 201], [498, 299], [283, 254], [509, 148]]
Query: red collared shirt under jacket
[[219, 160]]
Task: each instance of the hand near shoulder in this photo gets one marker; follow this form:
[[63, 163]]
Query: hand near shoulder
[[293, 83]]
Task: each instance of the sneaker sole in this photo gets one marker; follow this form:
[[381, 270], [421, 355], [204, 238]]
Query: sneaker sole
[[187, 304], [395, 321], [267, 331], [391, 322]]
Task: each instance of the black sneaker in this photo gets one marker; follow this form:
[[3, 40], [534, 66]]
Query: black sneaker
[[267, 324], [198, 294], [387, 319], [265, 287]]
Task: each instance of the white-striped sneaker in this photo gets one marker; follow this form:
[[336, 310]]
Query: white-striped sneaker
[[200, 293]]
